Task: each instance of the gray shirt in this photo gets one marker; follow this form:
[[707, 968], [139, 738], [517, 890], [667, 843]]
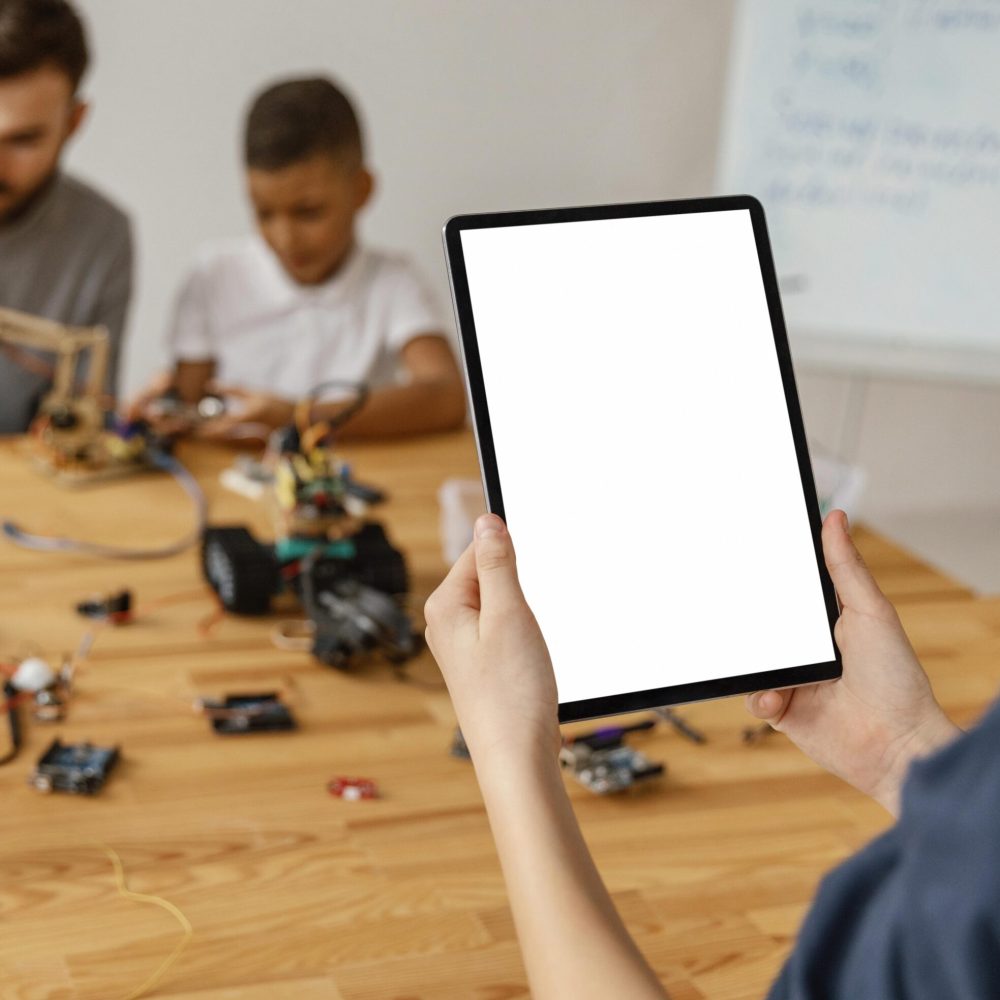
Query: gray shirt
[[69, 259]]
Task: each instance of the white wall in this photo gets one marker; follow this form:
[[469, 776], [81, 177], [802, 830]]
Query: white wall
[[478, 105], [468, 106]]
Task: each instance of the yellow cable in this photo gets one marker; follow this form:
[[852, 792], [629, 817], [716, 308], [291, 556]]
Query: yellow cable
[[142, 897]]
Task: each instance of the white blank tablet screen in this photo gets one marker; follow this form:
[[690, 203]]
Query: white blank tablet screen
[[644, 450]]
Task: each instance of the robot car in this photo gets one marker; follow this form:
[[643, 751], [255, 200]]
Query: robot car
[[351, 581]]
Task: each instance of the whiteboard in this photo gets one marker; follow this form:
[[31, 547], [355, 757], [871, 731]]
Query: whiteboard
[[870, 130]]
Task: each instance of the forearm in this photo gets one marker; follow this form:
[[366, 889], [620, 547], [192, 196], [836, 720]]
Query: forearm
[[419, 407], [572, 938]]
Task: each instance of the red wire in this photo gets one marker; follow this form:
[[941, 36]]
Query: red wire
[[10, 703]]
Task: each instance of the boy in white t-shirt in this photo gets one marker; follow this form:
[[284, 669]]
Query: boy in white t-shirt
[[263, 320]]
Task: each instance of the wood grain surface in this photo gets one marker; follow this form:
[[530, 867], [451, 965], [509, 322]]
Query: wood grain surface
[[294, 893]]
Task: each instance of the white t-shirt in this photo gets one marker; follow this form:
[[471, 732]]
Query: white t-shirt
[[266, 332]]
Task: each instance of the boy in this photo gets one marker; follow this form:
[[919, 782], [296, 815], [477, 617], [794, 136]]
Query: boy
[[65, 250], [261, 321]]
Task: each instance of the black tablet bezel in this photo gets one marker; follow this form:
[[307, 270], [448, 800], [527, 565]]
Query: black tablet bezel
[[720, 687]]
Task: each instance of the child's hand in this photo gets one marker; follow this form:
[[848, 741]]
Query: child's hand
[[249, 413], [870, 724], [142, 407], [491, 652]]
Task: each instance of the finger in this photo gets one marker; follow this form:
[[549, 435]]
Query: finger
[[855, 584], [498, 584], [457, 593], [768, 706], [235, 391]]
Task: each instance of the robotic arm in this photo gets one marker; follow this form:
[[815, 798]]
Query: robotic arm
[[71, 415]]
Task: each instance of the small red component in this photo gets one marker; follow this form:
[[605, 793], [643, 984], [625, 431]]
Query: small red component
[[353, 788]]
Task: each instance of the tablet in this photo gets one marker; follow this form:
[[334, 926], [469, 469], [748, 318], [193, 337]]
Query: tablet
[[640, 433]]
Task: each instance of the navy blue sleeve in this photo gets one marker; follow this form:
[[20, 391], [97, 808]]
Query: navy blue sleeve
[[916, 914]]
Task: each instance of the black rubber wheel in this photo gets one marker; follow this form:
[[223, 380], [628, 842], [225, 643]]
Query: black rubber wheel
[[242, 571]]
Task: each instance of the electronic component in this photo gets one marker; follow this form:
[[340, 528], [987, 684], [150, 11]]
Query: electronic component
[[368, 495], [349, 577], [248, 477], [70, 434], [50, 706], [71, 418], [248, 713], [351, 619], [353, 789], [33, 674], [116, 609], [670, 716], [78, 768], [36, 679], [603, 763], [170, 406]]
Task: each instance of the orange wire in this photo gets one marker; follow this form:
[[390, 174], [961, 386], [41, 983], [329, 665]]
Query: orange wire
[[90, 635], [177, 598], [313, 435], [13, 702], [208, 624]]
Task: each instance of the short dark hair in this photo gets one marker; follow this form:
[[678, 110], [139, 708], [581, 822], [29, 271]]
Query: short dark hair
[[34, 33], [296, 119]]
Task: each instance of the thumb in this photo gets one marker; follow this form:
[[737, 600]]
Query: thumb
[[768, 706], [855, 585], [495, 565]]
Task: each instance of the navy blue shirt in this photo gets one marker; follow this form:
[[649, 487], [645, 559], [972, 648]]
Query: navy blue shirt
[[916, 914]]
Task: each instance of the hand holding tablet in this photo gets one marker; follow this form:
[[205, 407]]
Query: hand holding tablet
[[639, 432], [492, 653]]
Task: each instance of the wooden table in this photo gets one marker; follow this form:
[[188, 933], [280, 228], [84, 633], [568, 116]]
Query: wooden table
[[294, 893]]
